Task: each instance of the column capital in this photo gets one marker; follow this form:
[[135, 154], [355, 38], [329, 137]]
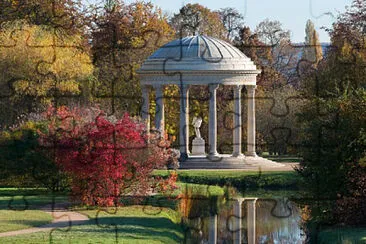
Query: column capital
[[250, 199], [239, 200], [184, 86], [251, 88], [213, 86], [238, 87]]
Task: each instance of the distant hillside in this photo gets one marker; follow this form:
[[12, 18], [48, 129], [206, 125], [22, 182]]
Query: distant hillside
[[325, 47]]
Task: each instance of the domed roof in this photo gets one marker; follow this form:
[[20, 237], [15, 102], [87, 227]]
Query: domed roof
[[198, 53], [198, 47]]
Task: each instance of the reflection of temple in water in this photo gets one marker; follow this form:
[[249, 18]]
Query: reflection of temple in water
[[253, 220]]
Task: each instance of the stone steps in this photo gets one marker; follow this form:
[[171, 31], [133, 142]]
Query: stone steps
[[228, 162]]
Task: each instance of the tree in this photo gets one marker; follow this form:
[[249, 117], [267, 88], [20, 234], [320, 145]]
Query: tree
[[313, 50], [194, 19], [282, 61], [24, 163], [123, 36], [39, 67], [270, 48], [65, 15], [333, 122], [350, 207], [105, 157], [251, 46], [352, 21], [232, 21], [271, 32]]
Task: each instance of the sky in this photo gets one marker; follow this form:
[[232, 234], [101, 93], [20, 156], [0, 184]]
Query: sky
[[293, 14]]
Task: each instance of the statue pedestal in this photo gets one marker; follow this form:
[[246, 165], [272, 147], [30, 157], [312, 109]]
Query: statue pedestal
[[198, 146]]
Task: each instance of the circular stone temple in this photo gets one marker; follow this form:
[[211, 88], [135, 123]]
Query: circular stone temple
[[203, 60]]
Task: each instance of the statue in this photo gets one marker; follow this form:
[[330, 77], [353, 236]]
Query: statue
[[198, 144], [197, 121]]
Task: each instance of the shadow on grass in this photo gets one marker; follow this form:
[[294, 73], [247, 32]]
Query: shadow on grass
[[149, 228], [21, 203], [30, 223], [130, 227]]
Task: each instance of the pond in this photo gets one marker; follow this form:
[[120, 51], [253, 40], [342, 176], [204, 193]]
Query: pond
[[242, 220]]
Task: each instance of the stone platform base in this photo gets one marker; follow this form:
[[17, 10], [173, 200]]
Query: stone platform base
[[225, 161], [198, 147]]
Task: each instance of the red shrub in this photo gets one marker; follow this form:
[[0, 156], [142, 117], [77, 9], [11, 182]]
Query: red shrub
[[105, 159]]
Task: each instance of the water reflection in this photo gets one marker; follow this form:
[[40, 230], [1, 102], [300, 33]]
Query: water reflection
[[242, 220]]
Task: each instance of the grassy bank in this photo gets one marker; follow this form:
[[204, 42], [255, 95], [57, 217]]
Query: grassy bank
[[243, 180]]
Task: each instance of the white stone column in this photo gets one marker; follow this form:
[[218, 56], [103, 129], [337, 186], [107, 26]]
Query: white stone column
[[145, 113], [237, 228], [251, 122], [251, 223], [159, 115], [212, 129], [184, 122], [237, 122], [212, 229]]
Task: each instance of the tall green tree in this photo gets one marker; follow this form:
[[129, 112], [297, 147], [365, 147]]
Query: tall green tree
[[313, 50]]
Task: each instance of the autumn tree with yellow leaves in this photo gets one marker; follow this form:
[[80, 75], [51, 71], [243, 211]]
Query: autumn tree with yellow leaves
[[39, 66]]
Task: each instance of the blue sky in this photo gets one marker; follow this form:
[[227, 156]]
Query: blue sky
[[293, 14]]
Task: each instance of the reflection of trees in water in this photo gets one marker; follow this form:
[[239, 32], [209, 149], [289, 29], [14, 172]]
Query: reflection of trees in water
[[278, 221], [196, 210], [224, 235]]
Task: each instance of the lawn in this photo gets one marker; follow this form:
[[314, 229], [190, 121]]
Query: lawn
[[16, 220], [132, 224], [18, 208]]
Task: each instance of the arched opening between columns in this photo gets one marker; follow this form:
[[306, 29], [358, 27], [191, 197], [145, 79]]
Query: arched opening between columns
[[184, 122]]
